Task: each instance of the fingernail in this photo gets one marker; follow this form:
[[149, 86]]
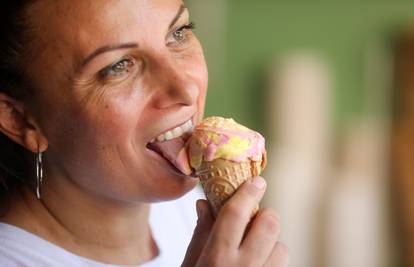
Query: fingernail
[[259, 182]]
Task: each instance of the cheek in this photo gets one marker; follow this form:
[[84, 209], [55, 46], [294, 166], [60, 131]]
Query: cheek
[[115, 119], [97, 125]]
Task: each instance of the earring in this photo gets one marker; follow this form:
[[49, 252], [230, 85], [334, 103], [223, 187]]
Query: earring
[[39, 175]]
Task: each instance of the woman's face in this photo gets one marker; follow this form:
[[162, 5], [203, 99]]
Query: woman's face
[[111, 76]]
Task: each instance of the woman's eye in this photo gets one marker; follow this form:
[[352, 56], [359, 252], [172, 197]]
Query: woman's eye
[[180, 35], [118, 69]]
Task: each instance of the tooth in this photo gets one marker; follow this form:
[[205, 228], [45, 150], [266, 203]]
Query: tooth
[[168, 135], [187, 126], [177, 132], [174, 133], [160, 138], [184, 127]]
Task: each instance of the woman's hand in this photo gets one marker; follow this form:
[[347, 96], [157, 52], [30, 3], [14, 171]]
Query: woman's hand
[[235, 239]]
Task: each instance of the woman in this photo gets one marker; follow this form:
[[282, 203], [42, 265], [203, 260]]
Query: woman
[[86, 85]]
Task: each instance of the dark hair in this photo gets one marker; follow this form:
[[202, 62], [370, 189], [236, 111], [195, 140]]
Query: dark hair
[[15, 38]]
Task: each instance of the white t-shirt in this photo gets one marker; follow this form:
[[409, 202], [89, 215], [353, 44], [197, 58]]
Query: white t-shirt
[[172, 225]]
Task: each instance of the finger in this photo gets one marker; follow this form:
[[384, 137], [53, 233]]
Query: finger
[[201, 233], [279, 256], [233, 218], [262, 237]]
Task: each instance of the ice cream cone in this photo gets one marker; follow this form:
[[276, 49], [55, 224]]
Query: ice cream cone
[[225, 154], [220, 179]]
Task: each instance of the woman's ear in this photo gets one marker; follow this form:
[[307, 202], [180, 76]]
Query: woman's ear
[[17, 124]]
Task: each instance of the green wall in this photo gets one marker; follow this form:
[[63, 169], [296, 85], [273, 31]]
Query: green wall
[[255, 32]]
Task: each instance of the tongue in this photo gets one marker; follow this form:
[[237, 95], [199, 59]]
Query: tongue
[[175, 151]]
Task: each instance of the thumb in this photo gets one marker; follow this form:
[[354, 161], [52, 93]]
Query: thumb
[[201, 233]]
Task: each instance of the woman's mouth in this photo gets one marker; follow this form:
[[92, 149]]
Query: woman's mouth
[[170, 145]]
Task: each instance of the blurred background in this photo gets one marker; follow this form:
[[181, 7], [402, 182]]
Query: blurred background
[[330, 84]]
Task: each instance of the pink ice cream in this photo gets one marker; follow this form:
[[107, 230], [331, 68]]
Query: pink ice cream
[[218, 137]]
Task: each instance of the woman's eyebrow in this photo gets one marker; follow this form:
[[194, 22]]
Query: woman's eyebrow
[[177, 16], [107, 48]]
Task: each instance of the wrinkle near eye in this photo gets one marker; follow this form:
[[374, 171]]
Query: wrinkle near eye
[[79, 83], [89, 90]]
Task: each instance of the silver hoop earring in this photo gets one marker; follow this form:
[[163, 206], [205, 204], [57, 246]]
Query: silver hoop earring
[[39, 175]]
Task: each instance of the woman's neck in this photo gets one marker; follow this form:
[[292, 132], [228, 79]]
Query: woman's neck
[[87, 225]]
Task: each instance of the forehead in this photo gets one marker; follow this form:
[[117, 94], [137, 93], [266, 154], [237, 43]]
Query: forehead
[[86, 13], [83, 24]]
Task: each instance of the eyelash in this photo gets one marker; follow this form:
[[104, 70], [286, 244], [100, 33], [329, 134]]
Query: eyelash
[[180, 33], [126, 64]]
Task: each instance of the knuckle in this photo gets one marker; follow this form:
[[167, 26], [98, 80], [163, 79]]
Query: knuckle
[[271, 224], [271, 212], [250, 190], [233, 210], [270, 220]]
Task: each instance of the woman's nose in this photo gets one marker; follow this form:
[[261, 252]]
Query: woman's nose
[[174, 86]]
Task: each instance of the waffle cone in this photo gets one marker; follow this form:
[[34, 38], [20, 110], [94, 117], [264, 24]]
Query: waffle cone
[[220, 178]]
